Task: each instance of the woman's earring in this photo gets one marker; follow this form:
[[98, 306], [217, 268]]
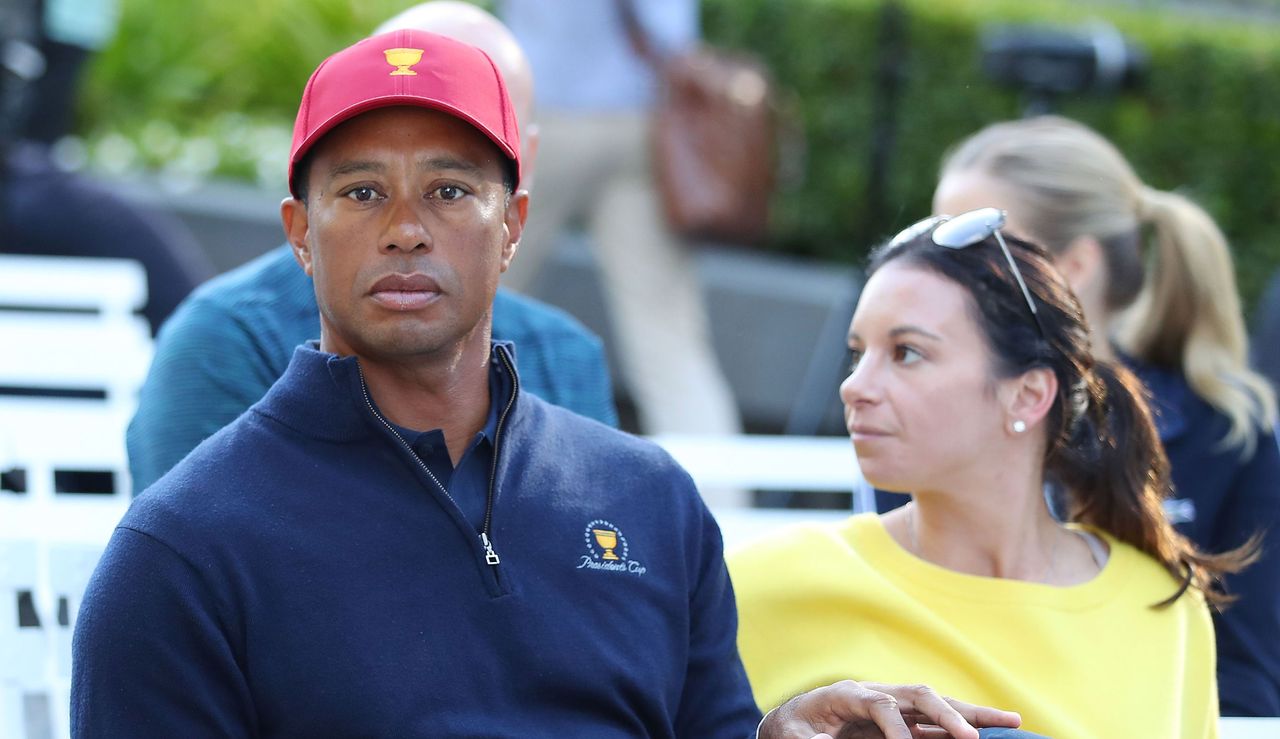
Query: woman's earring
[[1019, 426]]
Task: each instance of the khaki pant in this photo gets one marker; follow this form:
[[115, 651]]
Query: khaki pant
[[595, 169]]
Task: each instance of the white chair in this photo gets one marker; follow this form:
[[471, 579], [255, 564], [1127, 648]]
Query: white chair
[[761, 462], [110, 288], [24, 646], [1250, 728], [67, 327]]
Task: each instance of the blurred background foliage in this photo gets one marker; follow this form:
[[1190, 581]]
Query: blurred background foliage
[[879, 89], [1205, 121]]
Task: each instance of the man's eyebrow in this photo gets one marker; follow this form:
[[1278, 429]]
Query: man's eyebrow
[[449, 163], [354, 166], [897, 331], [428, 164]]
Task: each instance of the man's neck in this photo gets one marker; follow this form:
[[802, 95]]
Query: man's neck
[[450, 393]]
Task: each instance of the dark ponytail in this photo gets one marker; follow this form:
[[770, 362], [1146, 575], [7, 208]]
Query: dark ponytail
[[1110, 461], [1102, 447]]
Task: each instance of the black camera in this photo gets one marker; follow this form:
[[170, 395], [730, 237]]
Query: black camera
[[1046, 62]]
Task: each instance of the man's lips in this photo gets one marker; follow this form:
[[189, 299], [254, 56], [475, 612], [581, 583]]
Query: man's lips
[[405, 292]]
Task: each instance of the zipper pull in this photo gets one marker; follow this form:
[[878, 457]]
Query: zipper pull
[[490, 556]]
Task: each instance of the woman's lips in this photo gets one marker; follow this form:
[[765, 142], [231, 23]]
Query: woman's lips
[[860, 432]]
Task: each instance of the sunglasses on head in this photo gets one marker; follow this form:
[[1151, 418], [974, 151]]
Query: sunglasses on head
[[965, 230]]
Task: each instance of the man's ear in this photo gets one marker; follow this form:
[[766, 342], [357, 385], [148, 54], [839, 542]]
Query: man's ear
[[517, 213], [1030, 397], [293, 216]]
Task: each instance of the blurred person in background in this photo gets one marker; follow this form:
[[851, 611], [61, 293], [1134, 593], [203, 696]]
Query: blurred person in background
[[50, 212], [595, 95], [972, 386], [234, 337], [1155, 276]]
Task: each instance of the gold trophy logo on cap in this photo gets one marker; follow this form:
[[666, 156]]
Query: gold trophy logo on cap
[[402, 59], [608, 540]]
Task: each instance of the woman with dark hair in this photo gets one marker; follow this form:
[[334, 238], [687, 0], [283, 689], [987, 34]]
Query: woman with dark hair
[[973, 387]]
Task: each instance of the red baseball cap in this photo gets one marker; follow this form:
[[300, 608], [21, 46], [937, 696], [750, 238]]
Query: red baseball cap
[[406, 67]]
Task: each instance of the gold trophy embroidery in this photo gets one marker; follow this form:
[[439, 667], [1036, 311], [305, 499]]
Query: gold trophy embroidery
[[402, 59], [608, 541]]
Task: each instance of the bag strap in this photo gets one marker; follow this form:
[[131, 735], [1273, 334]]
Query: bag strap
[[641, 43]]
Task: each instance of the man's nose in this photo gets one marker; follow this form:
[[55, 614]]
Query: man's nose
[[406, 229]]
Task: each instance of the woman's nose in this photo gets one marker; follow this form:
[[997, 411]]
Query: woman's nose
[[861, 386]]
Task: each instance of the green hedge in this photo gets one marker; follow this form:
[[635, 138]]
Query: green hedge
[[210, 87], [224, 79], [1207, 121]]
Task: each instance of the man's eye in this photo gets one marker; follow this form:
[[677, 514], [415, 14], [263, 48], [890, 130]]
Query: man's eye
[[450, 192], [363, 194]]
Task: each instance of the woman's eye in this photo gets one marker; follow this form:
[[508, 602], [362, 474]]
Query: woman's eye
[[855, 356], [363, 194], [904, 354]]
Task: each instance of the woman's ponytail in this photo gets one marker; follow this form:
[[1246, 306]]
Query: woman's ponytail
[[1110, 461], [1188, 315]]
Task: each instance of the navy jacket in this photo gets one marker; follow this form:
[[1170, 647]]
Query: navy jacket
[[299, 574], [1220, 499]]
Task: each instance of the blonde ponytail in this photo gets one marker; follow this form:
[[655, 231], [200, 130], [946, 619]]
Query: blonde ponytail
[[1188, 315]]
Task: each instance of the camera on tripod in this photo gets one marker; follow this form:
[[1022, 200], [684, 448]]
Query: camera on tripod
[[1045, 62]]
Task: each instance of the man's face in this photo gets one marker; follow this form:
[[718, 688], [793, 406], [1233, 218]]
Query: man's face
[[406, 228]]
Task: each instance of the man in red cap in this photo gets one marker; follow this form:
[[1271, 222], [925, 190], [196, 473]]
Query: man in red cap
[[396, 541], [229, 341]]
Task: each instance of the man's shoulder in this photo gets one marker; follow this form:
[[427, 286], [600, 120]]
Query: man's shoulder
[[592, 439], [208, 483]]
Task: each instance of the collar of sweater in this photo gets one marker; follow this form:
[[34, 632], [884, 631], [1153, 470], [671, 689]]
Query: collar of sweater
[[321, 395]]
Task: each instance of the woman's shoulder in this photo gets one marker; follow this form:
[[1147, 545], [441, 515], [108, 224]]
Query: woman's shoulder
[[1145, 580], [813, 547]]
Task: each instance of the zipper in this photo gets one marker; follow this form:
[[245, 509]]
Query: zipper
[[490, 555]]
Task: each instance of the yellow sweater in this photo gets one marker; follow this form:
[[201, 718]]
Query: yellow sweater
[[820, 603]]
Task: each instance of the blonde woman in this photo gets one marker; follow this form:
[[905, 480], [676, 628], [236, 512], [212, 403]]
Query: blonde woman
[[1155, 277]]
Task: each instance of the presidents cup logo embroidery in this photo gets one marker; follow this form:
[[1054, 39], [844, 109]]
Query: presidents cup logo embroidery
[[402, 59], [607, 549]]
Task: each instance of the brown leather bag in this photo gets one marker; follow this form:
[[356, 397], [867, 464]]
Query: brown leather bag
[[714, 136]]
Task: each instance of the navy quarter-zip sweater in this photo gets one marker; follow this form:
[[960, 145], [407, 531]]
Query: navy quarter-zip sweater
[[300, 575]]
